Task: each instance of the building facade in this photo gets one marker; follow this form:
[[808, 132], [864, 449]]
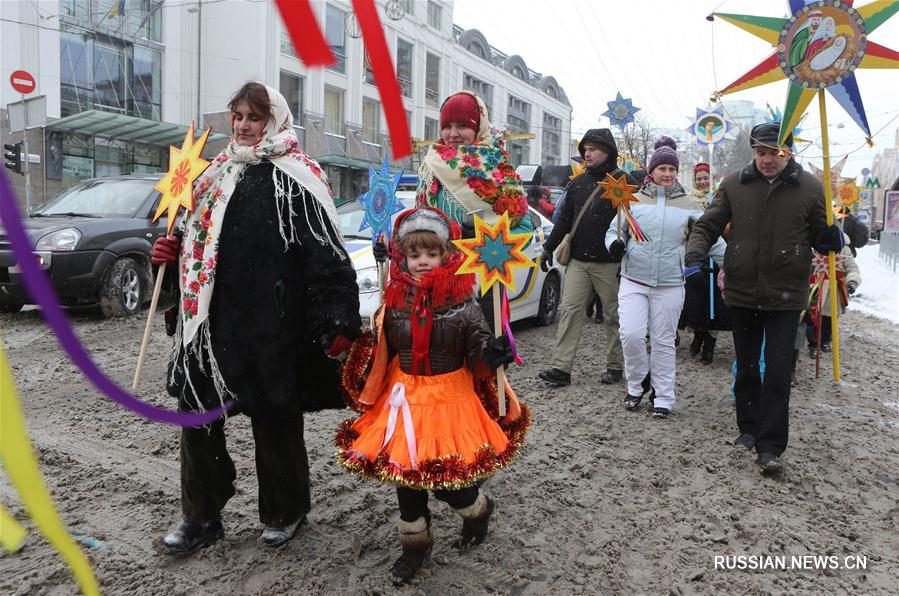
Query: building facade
[[120, 80]]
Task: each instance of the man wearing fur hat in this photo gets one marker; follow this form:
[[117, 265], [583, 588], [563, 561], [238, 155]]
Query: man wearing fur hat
[[776, 215], [592, 268]]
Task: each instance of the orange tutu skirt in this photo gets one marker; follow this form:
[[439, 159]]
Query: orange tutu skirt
[[429, 432]]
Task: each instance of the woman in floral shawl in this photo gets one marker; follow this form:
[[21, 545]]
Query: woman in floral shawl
[[267, 290], [467, 171]]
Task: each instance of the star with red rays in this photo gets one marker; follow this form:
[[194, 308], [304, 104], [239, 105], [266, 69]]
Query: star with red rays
[[819, 47]]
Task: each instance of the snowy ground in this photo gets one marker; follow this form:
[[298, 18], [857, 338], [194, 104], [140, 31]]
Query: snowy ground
[[601, 500], [878, 293]]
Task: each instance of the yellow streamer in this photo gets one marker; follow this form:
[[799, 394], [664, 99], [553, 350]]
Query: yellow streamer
[[20, 464], [12, 534]]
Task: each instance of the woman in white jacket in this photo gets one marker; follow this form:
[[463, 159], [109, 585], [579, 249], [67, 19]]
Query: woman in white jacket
[[651, 293]]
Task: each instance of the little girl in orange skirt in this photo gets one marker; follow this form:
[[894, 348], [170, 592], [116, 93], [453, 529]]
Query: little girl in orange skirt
[[427, 391]]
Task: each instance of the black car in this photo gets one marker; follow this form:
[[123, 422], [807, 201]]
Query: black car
[[94, 241]]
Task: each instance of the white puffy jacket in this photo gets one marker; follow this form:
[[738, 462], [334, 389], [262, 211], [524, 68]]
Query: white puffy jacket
[[666, 218]]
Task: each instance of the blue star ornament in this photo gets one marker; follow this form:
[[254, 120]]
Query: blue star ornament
[[621, 111], [710, 127], [380, 204]]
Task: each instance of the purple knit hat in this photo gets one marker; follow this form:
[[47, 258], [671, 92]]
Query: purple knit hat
[[665, 152]]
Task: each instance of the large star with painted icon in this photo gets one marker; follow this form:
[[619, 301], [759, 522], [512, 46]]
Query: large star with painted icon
[[494, 253], [819, 46], [621, 111], [185, 166]]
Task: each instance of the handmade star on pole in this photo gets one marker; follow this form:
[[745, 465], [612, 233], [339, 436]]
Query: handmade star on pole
[[621, 111], [836, 180], [185, 166], [379, 204], [493, 255], [577, 168], [819, 47], [710, 127], [621, 194]]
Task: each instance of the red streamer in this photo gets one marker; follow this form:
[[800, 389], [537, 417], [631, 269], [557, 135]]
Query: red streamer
[[305, 33], [385, 77]]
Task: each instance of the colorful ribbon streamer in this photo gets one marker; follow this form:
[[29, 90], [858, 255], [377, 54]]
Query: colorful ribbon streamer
[[12, 534], [21, 467], [40, 289], [306, 35], [385, 77], [636, 231], [507, 327]]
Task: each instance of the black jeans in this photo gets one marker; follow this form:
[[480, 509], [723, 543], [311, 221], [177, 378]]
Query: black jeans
[[811, 334], [763, 407], [414, 503]]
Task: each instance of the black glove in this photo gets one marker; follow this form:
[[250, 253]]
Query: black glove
[[546, 261], [498, 352], [380, 251], [830, 239], [851, 287], [616, 250]]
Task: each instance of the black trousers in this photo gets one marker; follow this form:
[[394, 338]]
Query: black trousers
[[414, 503], [282, 470], [763, 407]]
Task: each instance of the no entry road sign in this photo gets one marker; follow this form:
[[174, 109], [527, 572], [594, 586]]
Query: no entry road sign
[[22, 81]]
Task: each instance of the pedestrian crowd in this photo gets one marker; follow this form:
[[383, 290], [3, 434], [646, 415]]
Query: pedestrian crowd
[[268, 315]]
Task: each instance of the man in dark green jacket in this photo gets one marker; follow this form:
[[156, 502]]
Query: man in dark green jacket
[[776, 215]]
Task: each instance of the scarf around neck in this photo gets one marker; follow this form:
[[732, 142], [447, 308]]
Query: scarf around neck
[[479, 177], [294, 174]]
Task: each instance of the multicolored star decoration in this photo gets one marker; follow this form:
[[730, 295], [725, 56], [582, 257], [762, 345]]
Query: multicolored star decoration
[[380, 204], [185, 166], [621, 111], [710, 127], [621, 195], [494, 253], [848, 193], [819, 47]]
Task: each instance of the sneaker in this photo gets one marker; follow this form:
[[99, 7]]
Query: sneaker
[[745, 440], [555, 377], [660, 412], [812, 352], [770, 464], [632, 401], [825, 347], [611, 376], [272, 536]]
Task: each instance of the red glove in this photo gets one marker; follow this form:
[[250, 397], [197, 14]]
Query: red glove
[[165, 250], [340, 345]]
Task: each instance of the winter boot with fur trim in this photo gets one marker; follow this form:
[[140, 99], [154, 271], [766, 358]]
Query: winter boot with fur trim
[[475, 521], [417, 540]]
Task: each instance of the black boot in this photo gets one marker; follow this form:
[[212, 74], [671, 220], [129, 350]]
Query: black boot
[[475, 521], [417, 540], [708, 348], [193, 535], [696, 344]]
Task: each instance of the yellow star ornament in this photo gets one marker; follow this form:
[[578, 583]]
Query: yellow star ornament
[[618, 191], [185, 166], [494, 253], [577, 168]]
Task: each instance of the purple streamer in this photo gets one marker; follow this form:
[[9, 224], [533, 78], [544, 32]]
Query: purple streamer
[[507, 328], [41, 290]]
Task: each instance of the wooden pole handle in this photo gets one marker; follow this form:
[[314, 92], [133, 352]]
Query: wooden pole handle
[[160, 274], [500, 372]]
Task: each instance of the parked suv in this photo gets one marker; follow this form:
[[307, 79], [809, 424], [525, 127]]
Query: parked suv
[[94, 241]]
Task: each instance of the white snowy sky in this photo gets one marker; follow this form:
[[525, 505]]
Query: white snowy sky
[[668, 58]]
